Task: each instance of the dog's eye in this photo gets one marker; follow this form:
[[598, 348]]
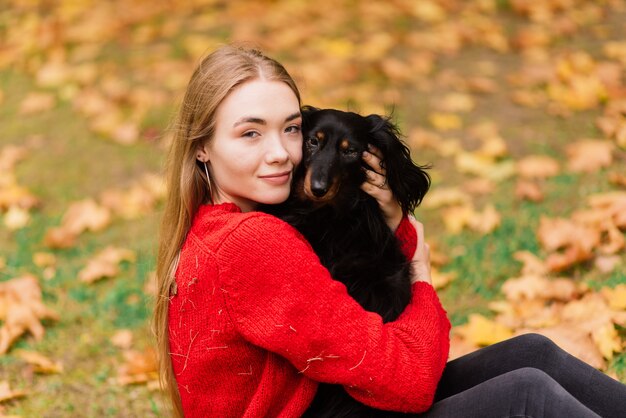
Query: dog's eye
[[314, 141], [349, 151]]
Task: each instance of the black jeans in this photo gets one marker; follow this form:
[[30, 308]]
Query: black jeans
[[526, 376]]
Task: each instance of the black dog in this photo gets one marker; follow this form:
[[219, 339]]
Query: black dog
[[346, 227]]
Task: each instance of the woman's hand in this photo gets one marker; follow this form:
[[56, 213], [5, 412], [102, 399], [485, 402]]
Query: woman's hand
[[421, 258], [376, 186]]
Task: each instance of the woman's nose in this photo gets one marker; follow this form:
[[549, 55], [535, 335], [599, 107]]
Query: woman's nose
[[276, 151]]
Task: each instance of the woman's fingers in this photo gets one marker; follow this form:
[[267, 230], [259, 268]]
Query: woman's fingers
[[374, 158], [376, 179]]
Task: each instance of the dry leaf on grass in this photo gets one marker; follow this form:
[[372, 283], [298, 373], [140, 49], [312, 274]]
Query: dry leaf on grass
[[532, 287], [537, 166], [22, 309], [589, 155], [122, 338], [6, 394], [41, 363], [139, 367], [482, 331], [528, 190], [105, 264]]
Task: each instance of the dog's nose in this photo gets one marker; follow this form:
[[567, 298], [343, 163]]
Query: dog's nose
[[319, 188]]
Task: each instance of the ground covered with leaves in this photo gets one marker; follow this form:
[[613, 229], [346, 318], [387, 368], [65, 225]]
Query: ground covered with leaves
[[518, 105]]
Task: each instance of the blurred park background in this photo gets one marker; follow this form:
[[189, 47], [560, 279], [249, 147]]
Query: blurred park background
[[518, 105]]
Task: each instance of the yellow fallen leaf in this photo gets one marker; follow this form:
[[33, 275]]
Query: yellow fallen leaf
[[445, 121], [616, 297], [607, 340], [482, 331], [16, 218]]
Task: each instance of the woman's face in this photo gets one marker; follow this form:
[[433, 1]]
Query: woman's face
[[257, 144]]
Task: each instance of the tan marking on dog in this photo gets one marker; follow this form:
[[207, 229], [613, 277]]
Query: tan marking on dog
[[320, 135], [344, 145]]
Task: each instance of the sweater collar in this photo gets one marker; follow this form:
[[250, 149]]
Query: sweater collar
[[227, 207]]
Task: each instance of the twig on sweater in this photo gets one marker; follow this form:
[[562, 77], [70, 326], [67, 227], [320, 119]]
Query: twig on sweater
[[188, 351], [359, 363]]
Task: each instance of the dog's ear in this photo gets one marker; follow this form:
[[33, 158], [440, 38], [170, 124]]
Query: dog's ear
[[307, 112], [408, 181]]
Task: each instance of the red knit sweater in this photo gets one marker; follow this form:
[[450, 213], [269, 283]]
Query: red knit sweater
[[257, 321]]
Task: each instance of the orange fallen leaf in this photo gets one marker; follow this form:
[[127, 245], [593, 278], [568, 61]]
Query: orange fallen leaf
[[36, 102], [537, 166], [6, 394], [537, 287], [23, 310], [589, 155], [86, 215], [41, 363], [139, 367], [105, 264], [607, 340], [122, 338], [528, 190]]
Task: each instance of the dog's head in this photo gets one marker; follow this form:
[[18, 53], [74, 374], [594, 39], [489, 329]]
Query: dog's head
[[332, 166]]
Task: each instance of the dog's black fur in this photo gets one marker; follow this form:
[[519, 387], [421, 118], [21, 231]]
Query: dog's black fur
[[345, 225]]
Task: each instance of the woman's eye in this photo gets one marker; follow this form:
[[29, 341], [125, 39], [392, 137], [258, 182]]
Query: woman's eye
[[250, 134], [294, 129]]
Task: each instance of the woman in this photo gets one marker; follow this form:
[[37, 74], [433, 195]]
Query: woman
[[249, 321]]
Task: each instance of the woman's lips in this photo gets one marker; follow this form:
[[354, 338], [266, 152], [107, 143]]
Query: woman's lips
[[278, 178]]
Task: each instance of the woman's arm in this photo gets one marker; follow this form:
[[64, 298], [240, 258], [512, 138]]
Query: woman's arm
[[282, 299]]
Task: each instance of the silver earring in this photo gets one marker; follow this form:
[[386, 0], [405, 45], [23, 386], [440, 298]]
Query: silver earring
[[208, 180]]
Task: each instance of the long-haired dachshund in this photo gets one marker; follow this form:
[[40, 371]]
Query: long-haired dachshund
[[345, 225]]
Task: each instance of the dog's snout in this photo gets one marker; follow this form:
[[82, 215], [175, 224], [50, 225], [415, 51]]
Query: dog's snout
[[319, 188]]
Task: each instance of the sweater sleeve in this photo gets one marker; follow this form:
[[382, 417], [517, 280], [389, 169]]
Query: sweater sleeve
[[407, 236], [282, 299]]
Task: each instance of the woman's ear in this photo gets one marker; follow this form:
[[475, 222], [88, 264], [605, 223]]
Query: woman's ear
[[202, 154], [408, 181]]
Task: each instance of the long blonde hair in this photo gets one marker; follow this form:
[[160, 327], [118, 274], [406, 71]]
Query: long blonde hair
[[188, 187]]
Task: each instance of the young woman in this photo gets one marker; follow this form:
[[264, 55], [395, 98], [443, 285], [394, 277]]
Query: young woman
[[248, 321]]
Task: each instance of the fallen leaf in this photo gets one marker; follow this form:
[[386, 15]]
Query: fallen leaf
[[446, 196], [139, 367], [36, 102], [6, 394], [122, 338], [105, 264], [16, 218], [537, 166], [23, 310], [482, 331], [589, 155], [607, 340], [445, 121], [528, 190], [616, 297], [531, 287], [41, 363]]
